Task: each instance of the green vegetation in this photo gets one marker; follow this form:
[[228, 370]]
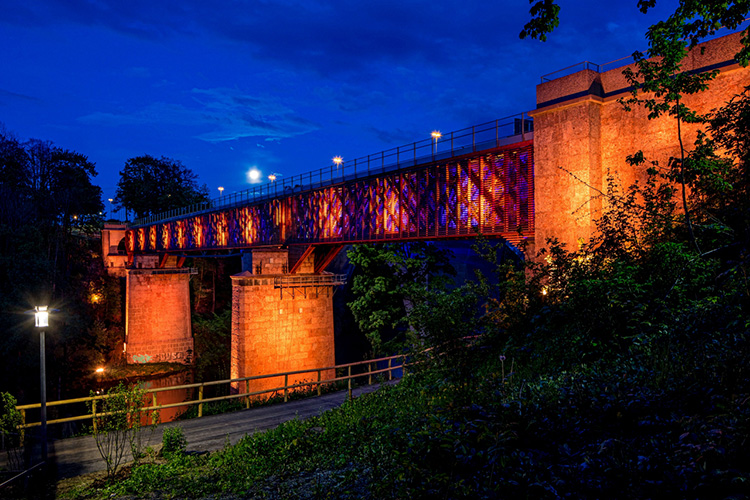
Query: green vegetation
[[173, 441], [150, 185], [10, 419], [119, 425]]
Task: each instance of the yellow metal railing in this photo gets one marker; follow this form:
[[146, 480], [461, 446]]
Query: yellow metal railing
[[238, 381]]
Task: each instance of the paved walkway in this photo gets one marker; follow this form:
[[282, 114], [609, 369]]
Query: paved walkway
[[75, 456]]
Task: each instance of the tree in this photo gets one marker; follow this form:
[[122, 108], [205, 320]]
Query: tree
[[118, 424], [149, 186], [391, 279], [49, 208]]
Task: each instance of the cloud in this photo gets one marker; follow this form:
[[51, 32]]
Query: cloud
[[15, 95], [138, 72], [224, 114], [329, 37]]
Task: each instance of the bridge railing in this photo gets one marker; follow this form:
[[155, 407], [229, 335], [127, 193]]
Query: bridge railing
[[515, 128], [371, 366]]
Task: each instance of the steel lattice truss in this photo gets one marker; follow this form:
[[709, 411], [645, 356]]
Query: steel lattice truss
[[489, 192]]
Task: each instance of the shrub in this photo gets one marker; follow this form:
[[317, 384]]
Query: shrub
[[173, 441]]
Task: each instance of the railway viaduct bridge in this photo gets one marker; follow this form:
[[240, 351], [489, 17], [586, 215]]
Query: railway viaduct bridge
[[505, 179]]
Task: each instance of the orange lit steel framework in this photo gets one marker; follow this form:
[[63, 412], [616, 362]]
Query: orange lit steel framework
[[489, 192]]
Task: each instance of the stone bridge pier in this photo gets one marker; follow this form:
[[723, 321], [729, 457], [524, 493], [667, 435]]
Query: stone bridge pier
[[157, 318], [282, 321]]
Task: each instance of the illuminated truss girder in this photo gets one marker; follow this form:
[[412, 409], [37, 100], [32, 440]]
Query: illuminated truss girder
[[491, 192]]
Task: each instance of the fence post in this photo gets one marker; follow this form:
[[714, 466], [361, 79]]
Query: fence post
[[318, 382], [93, 414], [247, 391], [200, 398], [369, 373], [23, 422], [286, 384], [349, 381], [390, 372], [154, 398]]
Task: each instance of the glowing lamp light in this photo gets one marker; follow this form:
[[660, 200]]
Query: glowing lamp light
[[100, 369], [253, 175], [221, 190], [436, 135], [41, 317], [338, 161], [272, 177]]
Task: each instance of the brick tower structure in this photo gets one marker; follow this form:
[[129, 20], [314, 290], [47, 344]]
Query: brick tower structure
[[580, 128]]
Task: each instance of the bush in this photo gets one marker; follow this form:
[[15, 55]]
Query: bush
[[118, 424], [173, 441]]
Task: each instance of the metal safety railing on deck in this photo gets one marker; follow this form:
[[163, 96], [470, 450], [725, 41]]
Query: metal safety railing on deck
[[293, 280], [393, 363], [501, 132], [587, 65]]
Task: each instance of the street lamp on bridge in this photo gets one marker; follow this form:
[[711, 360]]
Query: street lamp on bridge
[[221, 191], [338, 161], [435, 135]]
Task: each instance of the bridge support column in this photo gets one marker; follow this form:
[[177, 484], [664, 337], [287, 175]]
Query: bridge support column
[[157, 317], [278, 329]]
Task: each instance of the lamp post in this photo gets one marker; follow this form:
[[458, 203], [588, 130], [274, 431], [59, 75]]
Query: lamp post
[[221, 191], [435, 135], [338, 161], [41, 321]]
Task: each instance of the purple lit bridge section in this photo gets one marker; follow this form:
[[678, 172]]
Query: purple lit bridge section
[[459, 185]]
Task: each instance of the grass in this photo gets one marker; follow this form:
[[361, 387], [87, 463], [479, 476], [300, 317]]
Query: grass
[[588, 434]]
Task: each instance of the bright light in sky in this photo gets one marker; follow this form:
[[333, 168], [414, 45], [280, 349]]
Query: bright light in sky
[[253, 175]]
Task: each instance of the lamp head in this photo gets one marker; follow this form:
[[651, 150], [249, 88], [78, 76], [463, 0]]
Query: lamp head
[[41, 317]]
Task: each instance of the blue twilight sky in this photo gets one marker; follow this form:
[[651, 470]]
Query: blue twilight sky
[[281, 85]]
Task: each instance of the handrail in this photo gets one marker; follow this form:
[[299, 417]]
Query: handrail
[[587, 65], [247, 394], [300, 280], [496, 133]]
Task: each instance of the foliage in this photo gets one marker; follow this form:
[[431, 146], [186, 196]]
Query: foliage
[[391, 280], [49, 210], [212, 337], [10, 420], [118, 424], [173, 441], [150, 185]]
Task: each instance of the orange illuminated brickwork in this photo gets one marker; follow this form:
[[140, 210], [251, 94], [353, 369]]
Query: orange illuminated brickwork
[[157, 320], [579, 127], [276, 330]]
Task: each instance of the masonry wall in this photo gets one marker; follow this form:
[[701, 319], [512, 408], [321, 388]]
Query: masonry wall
[[581, 129], [157, 321], [276, 330]]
